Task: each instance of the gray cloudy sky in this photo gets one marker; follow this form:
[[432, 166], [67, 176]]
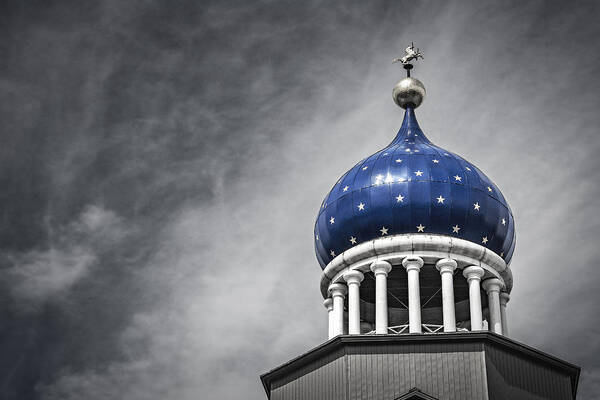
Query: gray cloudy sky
[[162, 164]]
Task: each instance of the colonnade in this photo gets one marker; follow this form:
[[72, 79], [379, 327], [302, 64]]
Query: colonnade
[[497, 299]]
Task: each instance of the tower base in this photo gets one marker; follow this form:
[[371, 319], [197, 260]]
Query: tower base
[[473, 365]]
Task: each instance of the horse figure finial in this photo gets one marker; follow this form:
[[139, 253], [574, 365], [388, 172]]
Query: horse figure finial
[[410, 54]]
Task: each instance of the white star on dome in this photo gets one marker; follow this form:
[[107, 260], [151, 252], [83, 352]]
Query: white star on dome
[[385, 154], [484, 240], [420, 228], [331, 220], [502, 254], [476, 206], [384, 231], [467, 168], [446, 154], [345, 188], [365, 167], [419, 173], [361, 207], [401, 179], [503, 221], [407, 150], [489, 189], [399, 199], [332, 253], [317, 237], [436, 161], [352, 240], [417, 150], [455, 229], [398, 160], [457, 178], [440, 199], [389, 179]]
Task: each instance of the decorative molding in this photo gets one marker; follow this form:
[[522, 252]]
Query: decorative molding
[[430, 248]]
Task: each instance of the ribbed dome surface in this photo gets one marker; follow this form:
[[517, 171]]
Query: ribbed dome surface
[[413, 186]]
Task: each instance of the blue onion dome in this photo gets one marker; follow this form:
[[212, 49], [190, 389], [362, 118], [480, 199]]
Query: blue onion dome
[[413, 186]]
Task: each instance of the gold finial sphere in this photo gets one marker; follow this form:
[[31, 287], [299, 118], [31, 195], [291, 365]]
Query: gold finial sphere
[[409, 92]]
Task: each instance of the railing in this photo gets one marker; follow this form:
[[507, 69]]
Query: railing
[[426, 328]]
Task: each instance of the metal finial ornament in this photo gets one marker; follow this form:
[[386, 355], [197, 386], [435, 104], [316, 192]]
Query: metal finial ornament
[[409, 92], [409, 54]]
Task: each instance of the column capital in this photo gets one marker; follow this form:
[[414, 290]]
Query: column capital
[[412, 262], [492, 285], [381, 267], [338, 289], [473, 272], [328, 303], [353, 276], [446, 265], [504, 298]]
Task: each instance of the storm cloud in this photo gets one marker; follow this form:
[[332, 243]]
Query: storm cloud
[[162, 164]]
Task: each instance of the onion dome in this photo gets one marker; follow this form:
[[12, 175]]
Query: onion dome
[[413, 187]]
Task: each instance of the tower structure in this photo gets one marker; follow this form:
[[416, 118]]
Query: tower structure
[[415, 245]]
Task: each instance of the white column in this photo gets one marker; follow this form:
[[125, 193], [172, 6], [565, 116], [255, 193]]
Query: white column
[[504, 298], [353, 279], [446, 266], [413, 265], [328, 303], [381, 270], [337, 292], [492, 288], [473, 275]]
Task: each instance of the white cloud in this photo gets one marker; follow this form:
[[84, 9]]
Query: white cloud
[[38, 274]]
